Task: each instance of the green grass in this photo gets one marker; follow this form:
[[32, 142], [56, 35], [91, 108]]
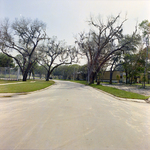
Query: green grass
[[27, 86], [116, 92], [140, 84], [120, 93], [7, 81]]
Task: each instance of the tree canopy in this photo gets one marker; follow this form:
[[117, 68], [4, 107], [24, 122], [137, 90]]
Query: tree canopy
[[96, 45], [54, 53], [26, 41], [22, 37], [6, 61]]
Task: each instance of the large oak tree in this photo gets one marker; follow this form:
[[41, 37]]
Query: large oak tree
[[96, 45], [21, 38], [55, 53]]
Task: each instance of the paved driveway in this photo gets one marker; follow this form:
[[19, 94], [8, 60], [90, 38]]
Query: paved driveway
[[71, 116]]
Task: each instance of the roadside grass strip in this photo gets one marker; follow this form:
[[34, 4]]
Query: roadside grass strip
[[24, 87], [116, 92], [120, 93]]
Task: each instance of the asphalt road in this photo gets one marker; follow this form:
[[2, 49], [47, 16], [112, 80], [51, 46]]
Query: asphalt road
[[71, 116]]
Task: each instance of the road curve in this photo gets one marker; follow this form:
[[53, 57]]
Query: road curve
[[71, 116]]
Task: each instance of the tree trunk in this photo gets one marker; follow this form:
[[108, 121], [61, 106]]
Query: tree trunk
[[111, 74], [40, 75], [25, 72], [111, 71], [98, 79], [25, 76], [29, 75], [92, 77], [33, 76], [47, 76], [131, 81], [126, 77]]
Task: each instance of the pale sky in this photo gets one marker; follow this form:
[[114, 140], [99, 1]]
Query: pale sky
[[66, 18]]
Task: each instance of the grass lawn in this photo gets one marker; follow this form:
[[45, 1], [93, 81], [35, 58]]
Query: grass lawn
[[28, 86], [120, 93], [116, 92], [140, 84], [7, 81]]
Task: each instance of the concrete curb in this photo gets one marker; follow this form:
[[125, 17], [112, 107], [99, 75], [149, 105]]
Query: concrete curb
[[122, 99]]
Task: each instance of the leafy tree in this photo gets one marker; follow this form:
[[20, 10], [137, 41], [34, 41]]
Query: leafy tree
[[130, 66], [134, 65], [6, 61], [22, 37], [63, 72], [127, 57], [40, 70], [145, 27], [71, 72], [83, 71]]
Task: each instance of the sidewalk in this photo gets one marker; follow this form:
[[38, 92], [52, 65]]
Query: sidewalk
[[11, 83]]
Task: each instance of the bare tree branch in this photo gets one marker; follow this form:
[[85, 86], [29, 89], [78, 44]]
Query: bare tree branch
[[97, 44], [22, 37], [53, 54]]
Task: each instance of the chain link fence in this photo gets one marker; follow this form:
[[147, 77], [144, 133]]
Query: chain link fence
[[7, 73]]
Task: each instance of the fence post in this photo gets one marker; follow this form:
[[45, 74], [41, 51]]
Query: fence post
[[18, 73]]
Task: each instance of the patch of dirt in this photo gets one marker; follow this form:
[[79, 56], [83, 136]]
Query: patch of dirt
[[7, 96], [22, 93]]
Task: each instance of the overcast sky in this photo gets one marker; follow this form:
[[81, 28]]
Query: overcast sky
[[66, 18]]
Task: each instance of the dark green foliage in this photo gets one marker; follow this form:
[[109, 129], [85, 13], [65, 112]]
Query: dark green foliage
[[71, 72], [145, 27], [6, 61], [40, 70]]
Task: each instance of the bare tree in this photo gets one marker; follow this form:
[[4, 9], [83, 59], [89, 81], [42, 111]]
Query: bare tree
[[53, 54], [96, 45], [21, 38]]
